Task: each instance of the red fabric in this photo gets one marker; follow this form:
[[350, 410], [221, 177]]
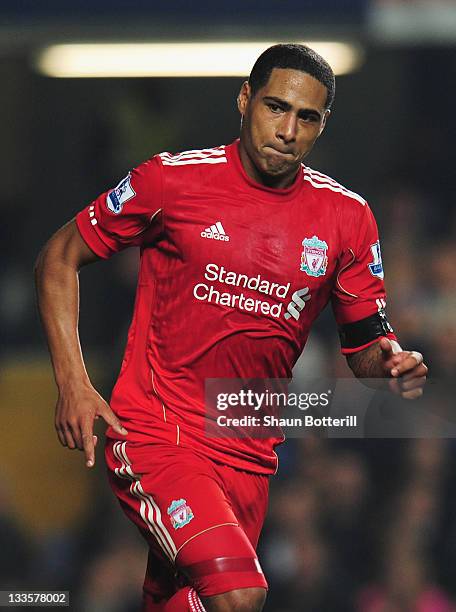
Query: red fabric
[[185, 599], [223, 513], [221, 564], [212, 579], [358, 292], [225, 307], [107, 232]]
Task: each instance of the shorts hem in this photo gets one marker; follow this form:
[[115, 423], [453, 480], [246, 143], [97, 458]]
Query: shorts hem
[[220, 584]]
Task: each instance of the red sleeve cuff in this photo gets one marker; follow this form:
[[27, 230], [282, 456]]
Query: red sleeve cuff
[[348, 351], [87, 229]]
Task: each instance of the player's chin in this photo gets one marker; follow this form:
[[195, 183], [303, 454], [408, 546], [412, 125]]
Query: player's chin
[[277, 168]]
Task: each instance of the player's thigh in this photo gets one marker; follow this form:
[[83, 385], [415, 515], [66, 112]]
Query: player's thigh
[[179, 503], [174, 494], [221, 561], [248, 494]]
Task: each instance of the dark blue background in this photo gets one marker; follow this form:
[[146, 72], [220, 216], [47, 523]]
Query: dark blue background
[[237, 10]]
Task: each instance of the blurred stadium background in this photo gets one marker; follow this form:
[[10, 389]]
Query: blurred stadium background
[[364, 525]]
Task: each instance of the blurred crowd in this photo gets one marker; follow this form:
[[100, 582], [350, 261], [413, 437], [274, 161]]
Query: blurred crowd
[[362, 527]]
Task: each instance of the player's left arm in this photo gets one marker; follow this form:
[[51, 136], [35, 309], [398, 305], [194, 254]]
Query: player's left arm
[[405, 370], [359, 301]]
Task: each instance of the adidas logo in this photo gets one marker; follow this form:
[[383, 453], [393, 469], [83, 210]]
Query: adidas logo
[[216, 232]]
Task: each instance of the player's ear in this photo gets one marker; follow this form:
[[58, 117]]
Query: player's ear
[[323, 122], [243, 97]]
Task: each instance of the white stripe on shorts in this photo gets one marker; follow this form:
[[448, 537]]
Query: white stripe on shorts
[[149, 510]]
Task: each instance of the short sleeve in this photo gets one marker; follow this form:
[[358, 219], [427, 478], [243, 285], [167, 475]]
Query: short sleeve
[[125, 215], [359, 290]]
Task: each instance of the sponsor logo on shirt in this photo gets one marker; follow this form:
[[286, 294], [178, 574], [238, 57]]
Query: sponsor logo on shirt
[[376, 266], [215, 232], [314, 260], [118, 196], [262, 296], [299, 299], [180, 513]]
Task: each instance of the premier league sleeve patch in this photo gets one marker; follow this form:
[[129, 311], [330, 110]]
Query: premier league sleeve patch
[[118, 196], [180, 513], [376, 266]]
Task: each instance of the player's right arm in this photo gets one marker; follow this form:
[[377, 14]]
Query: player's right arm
[[127, 215], [78, 404]]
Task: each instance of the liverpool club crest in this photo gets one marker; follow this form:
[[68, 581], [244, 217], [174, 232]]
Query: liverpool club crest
[[180, 513], [314, 260]]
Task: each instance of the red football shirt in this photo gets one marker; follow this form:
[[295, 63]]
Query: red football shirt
[[227, 268]]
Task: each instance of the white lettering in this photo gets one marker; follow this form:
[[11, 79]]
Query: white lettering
[[211, 269], [253, 282], [245, 421], [230, 279], [211, 293], [225, 299], [265, 307], [275, 310], [242, 280], [249, 304], [195, 291], [265, 287], [282, 290], [222, 274]]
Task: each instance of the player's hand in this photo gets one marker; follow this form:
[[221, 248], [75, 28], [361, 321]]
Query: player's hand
[[77, 408], [406, 368]]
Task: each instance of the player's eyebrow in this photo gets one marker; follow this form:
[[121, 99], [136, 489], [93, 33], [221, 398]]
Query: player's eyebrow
[[303, 113]]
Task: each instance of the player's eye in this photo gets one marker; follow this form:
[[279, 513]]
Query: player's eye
[[275, 108], [308, 117]]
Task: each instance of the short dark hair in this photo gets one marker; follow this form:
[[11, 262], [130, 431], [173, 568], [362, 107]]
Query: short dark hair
[[296, 57]]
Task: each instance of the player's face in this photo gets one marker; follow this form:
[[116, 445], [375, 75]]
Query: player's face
[[280, 125]]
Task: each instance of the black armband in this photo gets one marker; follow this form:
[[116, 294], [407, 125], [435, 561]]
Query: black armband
[[359, 333]]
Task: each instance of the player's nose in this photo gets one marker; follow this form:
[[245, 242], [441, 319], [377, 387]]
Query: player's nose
[[286, 130]]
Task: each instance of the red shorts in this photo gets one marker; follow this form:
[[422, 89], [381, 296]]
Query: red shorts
[[202, 520]]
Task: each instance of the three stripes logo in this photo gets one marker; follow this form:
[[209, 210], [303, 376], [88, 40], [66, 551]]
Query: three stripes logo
[[299, 299], [215, 232], [381, 305]]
